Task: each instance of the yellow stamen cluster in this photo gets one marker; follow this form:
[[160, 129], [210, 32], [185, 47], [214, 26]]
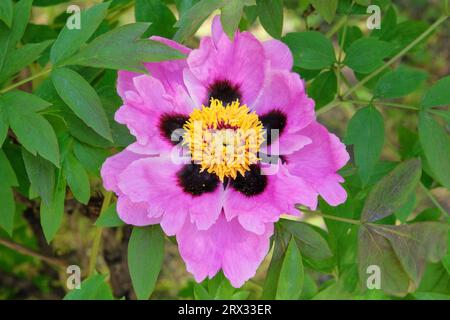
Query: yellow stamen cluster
[[224, 140]]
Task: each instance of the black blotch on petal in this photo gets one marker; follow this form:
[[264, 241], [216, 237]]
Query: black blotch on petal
[[252, 184], [274, 119], [225, 91], [195, 182], [171, 122]]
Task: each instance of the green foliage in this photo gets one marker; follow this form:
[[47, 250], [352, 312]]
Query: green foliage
[[311, 49], [398, 83], [391, 192], [436, 146], [122, 49], [69, 40], [374, 52], [270, 13], [386, 90], [93, 288], [84, 101], [109, 218], [290, 282], [323, 88], [366, 132], [145, 256]]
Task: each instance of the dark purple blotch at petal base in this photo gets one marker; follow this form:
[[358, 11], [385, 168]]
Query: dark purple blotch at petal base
[[196, 183], [273, 120], [169, 123], [252, 183], [224, 91]]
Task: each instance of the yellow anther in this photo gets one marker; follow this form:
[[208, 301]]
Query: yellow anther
[[224, 140]]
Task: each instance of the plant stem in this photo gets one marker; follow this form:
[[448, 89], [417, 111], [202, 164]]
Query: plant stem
[[336, 27], [28, 252], [389, 104], [434, 200], [341, 51], [323, 215], [358, 85], [98, 235], [18, 84]]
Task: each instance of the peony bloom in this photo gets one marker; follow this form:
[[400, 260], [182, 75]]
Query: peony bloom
[[222, 203]]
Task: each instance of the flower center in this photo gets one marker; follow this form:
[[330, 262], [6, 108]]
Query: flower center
[[224, 140]]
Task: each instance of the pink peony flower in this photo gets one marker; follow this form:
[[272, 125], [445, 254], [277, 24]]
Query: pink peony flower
[[221, 212]]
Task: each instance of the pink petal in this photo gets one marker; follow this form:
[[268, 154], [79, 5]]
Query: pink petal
[[154, 181], [144, 108], [241, 61], [279, 55], [318, 162], [113, 167], [285, 92], [225, 245], [170, 73], [282, 192], [134, 213]]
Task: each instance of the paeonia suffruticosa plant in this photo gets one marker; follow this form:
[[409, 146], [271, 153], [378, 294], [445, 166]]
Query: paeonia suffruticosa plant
[[228, 149]]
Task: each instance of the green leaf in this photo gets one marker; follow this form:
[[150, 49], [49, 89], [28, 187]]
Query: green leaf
[[22, 57], [311, 49], [323, 89], [91, 158], [290, 283], [18, 99], [41, 174], [8, 205], [416, 243], [40, 137], [326, 8], [7, 208], [436, 146], [10, 37], [4, 123], [270, 14], [352, 34], [399, 82], [388, 23], [77, 178], [145, 257], [225, 291], [44, 3], [200, 293], [189, 22], [363, 2], [310, 242], [70, 40], [281, 240], [93, 288], [367, 54], [402, 34], [78, 94], [444, 114], [52, 213], [240, 295], [391, 192], [121, 49], [8, 176], [401, 253], [160, 16], [109, 218], [6, 12], [231, 15], [438, 94], [375, 250], [366, 132]]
